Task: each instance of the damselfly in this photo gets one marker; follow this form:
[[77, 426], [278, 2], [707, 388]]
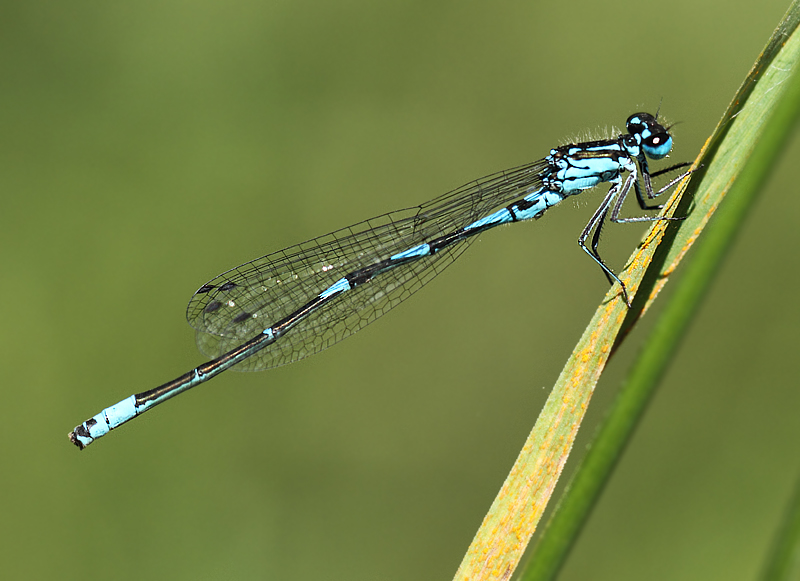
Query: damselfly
[[300, 300]]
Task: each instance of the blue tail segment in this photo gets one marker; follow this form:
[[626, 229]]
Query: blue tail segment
[[104, 422], [300, 300]]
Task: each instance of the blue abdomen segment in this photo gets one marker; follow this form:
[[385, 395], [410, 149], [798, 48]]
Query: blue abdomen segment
[[119, 413], [339, 286], [500, 217], [533, 205], [105, 421], [415, 252]]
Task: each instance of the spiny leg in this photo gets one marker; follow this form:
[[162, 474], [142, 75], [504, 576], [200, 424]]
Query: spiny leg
[[648, 186], [595, 224], [646, 177], [596, 241]]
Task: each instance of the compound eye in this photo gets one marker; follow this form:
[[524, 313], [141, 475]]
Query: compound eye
[[657, 145]]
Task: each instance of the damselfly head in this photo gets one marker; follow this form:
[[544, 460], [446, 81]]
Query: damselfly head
[[654, 137]]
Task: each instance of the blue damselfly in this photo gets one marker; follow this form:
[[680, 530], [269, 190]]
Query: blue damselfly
[[300, 300]]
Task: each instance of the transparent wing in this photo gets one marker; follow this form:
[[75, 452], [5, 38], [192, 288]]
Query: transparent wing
[[240, 303]]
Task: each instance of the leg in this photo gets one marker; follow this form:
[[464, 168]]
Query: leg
[[596, 223], [650, 194], [648, 186]]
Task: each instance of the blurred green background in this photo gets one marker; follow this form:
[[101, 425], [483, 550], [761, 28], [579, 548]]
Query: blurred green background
[[148, 146]]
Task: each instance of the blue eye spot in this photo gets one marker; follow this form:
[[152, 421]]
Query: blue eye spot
[[657, 146]]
